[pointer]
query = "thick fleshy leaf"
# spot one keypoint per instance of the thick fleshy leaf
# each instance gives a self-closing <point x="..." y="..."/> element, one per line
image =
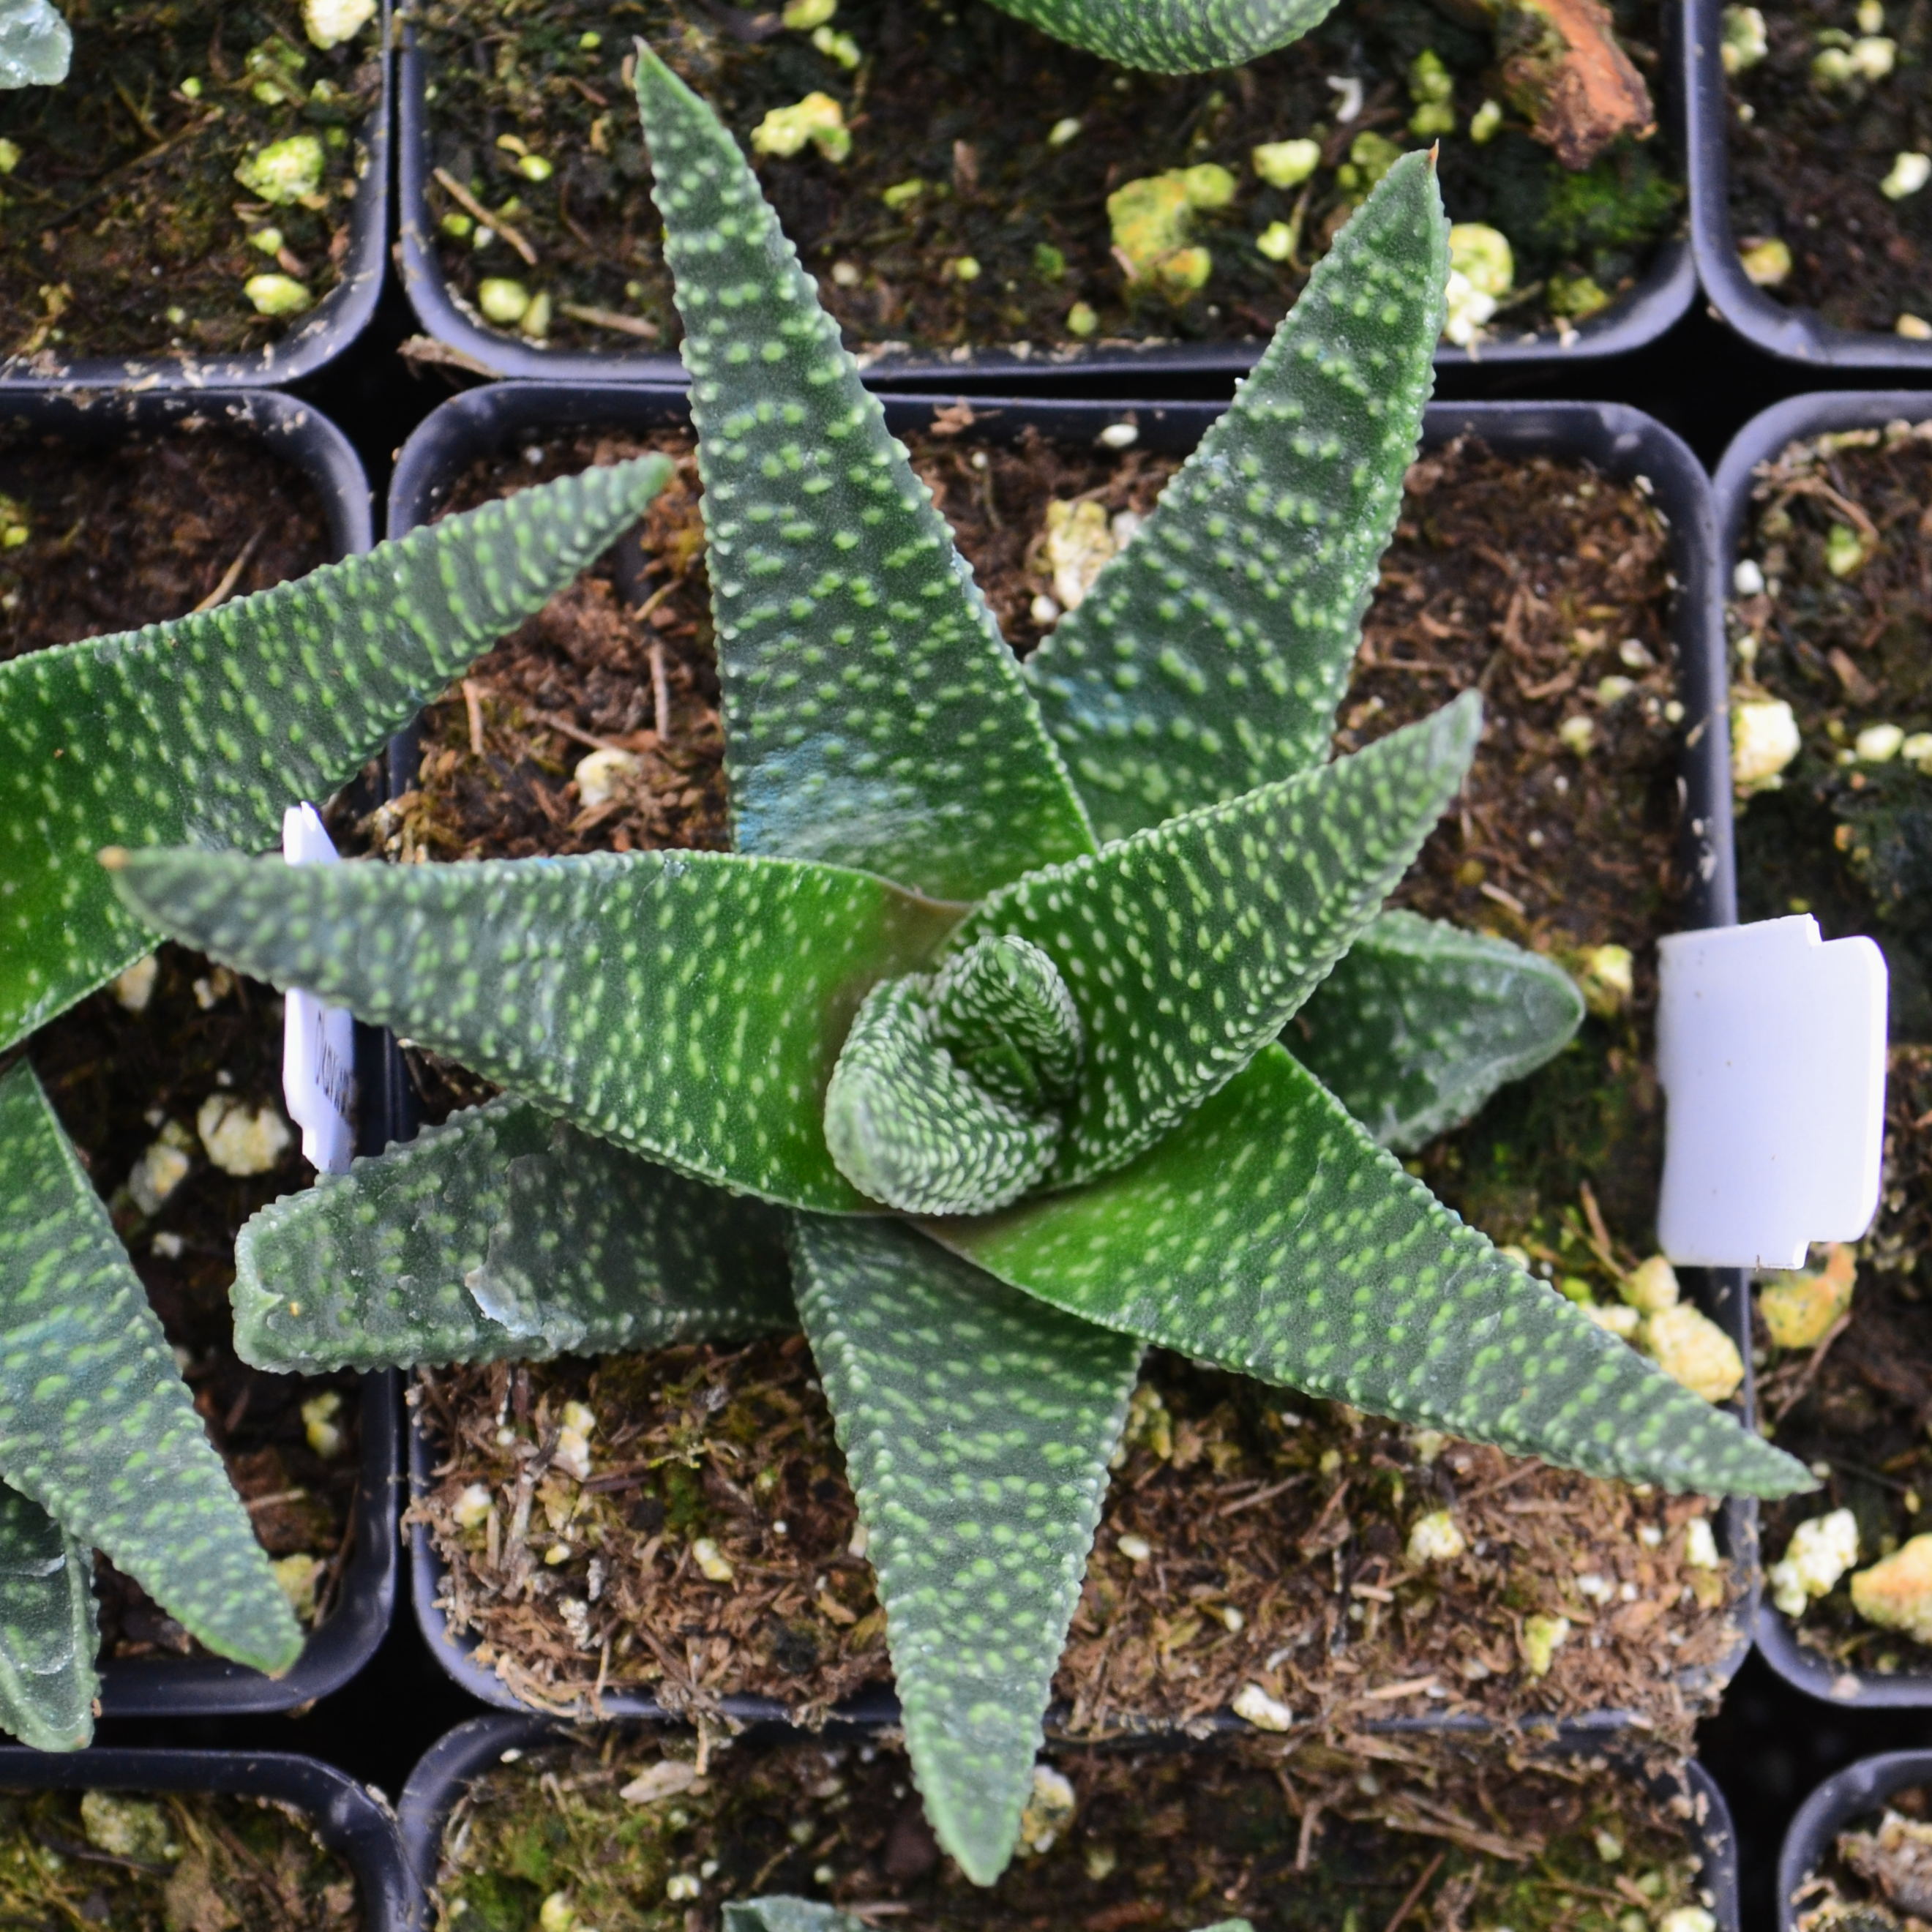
<point x="780" y="1913"/>
<point x="689" y="1005"/>
<point x="504" y="1235"/>
<point x="201" y="731"/>
<point x="909" y="1126"/>
<point x="96" y="1424"/>
<point x="1187" y="946"/>
<point x="1421" y="1022"/>
<point x="1210" y="654"/>
<point x="1270" y="1235"/>
<point x="1173" y="36"/>
<point x="977" y="1426"/>
<point x="1002" y="1010"/>
<point x="873" y="715"/>
<point x="48" y="1632"/>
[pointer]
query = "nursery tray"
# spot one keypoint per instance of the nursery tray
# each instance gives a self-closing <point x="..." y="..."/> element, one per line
<point x="472" y="1747"/>
<point x="1796" y="334"/>
<point x="1796" y="419"/>
<point x="359" y="1828"/>
<point x="1619" y="441"/>
<point x="1859" y="1788"/>
<point x="324" y="333"/>
<point x="347" y="1638"/>
<point x="1661" y="294"/>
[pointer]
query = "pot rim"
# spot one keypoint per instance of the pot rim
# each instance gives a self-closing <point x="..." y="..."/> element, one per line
<point x="1861" y="1786"/>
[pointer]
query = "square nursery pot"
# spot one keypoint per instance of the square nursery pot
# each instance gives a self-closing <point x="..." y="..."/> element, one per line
<point x="1660" y="295"/>
<point x="365" y="1599"/>
<point x="1618" y="441"/>
<point x="1799" y="418"/>
<point x="321" y="335"/>
<point x="1844" y="1798"/>
<point x="473" y="1749"/>
<point x="1796" y="334"/>
<point x="349" y="1819"/>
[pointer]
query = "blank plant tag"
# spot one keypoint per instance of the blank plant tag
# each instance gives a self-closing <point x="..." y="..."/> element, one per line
<point x="1771" y="1051"/>
<point x="318" y="1042"/>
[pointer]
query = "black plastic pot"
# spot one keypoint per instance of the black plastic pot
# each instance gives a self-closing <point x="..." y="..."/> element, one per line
<point x="437" y="1782"/>
<point x="320" y="337"/>
<point x="1621" y="442"/>
<point x="1760" y="440"/>
<point x="1797" y="334"/>
<point x="358" y="1828"/>
<point x="1661" y="296"/>
<point x="1858" y="1790"/>
<point x="166" y="1687"/>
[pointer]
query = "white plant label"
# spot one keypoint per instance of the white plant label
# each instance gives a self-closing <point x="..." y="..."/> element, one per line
<point x="318" y="1042"/>
<point x="1771" y="1052"/>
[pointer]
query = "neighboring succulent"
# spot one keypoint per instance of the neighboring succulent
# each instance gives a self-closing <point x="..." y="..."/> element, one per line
<point x="1173" y="36"/>
<point x="780" y="1913"/>
<point x="201" y="730"/>
<point x="1005" y="951"/>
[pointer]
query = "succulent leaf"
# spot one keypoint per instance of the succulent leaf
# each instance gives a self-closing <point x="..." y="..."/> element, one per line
<point x="780" y="1913"/>
<point x="96" y="1424"/>
<point x="977" y="1425"/>
<point x="502" y="1235"/>
<point x="48" y="1633"/>
<point x="1420" y="1022"/>
<point x="874" y="715"/>
<point x="1001" y="1009"/>
<point x="1210" y="654"/>
<point x="1270" y="1235"/>
<point x="689" y="1005"/>
<point x="202" y="730"/>
<point x="908" y="1125"/>
<point x="1173" y="36"/>
<point x="1189" y="945"/>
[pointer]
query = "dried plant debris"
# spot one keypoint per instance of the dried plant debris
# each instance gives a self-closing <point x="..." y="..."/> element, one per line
<point x="1828" y="638"/>
<point x="187" y="190"/>
<point x="1878" y="1876"/>
<point x="1283" y="1532"/>
<point x="97" y="540"/>
<point x="680" y="1521"/>
<point x="1830" y="120"/>
<point x="960" y="179"/>
<point x="168" y="1081"/>
<point x="635" y="1831"/>
<point x="175" y="1862"/>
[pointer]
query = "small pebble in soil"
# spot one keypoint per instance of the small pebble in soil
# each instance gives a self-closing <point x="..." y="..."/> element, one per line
<point x="241" y="1139"/>
<point x="1896" y="1592"/>
<point x="135" y="987"/>
<point x="1254" y="1705"/>
<point x="1821" y="1550"/>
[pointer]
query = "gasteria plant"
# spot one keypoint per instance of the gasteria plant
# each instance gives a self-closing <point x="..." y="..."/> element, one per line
<point x="1173" y="36"/>
<point x="201" y="730"/>
<point x="977" y="1024"/>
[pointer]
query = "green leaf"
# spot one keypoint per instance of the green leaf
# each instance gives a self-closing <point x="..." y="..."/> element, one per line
<point x="96" y="1424"/>
<point x="571" y="1244"/>
<point x="1421" y="1022"/>
<point x="783" y="1914"/>
<point x="1209" y="656"/>
<point x="976" y="1426"/>
<point x="909" y="1127"/>
<point x="689" y="1005"/>
<point x="1173" y="36"/>
<point x="1270" y="1235"/>
<point x="1003" y="1012"/>
<point x="1187" y="946"/>
<point x="873" y="715"/>
<point x="202" y="730"/>
<point x="48" y="1637"/>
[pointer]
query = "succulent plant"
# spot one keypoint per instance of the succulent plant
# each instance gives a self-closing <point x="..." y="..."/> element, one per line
<point x="1173" y="36"/>
<point x="200" y="730"/>
<point x="977" y="1026"/>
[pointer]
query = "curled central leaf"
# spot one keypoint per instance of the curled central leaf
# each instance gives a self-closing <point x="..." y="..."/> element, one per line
<point x="948" y="1087"/>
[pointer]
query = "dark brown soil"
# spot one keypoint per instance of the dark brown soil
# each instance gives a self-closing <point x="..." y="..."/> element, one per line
<point x="1308" y="1841"/>
<point x="963" y="101"/>
<point x="1277" y="1525"/>
<point x="123" y="229"/>
<point x="1850" y="842"/>
<point x="176" y="1862"/>
<point x="140" y="533"/>
<point x="1805" y="168"/>
<point x="145" y="530"/>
